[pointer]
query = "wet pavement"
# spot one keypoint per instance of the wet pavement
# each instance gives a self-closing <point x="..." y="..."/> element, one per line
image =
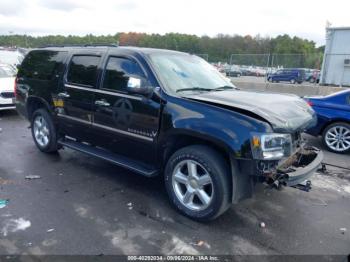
<point x="82" y="205"/>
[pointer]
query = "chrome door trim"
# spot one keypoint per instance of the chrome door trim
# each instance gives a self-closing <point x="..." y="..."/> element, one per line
<point x="75" y="119"/>
<point x="103" y="92"/>
<point x="106" y="127"/>
<point x="123" y="132"/>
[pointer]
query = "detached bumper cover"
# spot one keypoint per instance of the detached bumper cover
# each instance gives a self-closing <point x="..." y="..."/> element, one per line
<point x="300" y="166"/>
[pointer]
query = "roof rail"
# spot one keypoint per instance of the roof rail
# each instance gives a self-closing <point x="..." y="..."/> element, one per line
<point x="82" y="45"/>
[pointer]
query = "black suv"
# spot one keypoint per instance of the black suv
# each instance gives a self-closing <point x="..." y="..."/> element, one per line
<point x="161" y="112"/>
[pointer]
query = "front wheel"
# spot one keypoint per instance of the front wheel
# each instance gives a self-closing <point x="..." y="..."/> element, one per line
<point x="292" y="81"/>
<point x="44" y="131"/>
<point x="197" y="180"/>
<point x="336" y="137"/>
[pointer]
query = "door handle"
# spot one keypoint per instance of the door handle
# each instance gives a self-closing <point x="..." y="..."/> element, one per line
<point x="63" y="95"/>
<point x="102" y="103"/>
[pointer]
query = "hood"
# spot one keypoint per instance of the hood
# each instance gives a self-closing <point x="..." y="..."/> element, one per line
<point x="7" y="84"/>
<point x="284" y="112"/>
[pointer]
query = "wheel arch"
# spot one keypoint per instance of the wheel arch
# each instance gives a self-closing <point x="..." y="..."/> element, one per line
<point x="333" y="121"/>
<point x="177" y="141"/>
<point x="33" y="103"/>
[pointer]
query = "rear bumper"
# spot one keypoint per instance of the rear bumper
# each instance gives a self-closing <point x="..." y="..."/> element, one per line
<point x="7" y="107"/>
<point x="7" y="104"/>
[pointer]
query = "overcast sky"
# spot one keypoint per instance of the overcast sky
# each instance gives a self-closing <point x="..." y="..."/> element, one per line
<point x="304" y="18"/>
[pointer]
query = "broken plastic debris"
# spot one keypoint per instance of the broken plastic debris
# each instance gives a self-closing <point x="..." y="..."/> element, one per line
<point x="262" y="225"/>
<point x="33" y="177"/>
<point x="200" y="243"/>
<point x="3" y="203"/>
<point x="50" y="230"/>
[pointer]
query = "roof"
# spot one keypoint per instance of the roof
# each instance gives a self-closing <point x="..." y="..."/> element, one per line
<point x="144" y="50"/>
<point x="338" y="28"/>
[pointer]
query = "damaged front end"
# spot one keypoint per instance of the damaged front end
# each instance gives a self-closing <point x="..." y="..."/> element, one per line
<point x="285" y="160"/>
<point x="296" y="169"/>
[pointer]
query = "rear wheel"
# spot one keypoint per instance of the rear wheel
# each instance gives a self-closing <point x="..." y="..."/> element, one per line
<point x="197" y="180"/>
<point x="336" y="137"/>
<point x="44" y="131"/>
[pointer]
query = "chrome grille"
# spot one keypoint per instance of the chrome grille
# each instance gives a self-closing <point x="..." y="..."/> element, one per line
<point x="7" y="94"/>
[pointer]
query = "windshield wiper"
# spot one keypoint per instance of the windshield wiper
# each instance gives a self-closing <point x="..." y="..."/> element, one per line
<point x="194" y="89"/>
<point x="225" y="88"/>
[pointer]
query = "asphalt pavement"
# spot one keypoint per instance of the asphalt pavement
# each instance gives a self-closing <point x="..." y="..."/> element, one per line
<point x="82" y="205"/>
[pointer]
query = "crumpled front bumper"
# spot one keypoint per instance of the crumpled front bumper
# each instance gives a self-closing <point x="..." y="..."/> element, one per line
<point x="299" y="167"/>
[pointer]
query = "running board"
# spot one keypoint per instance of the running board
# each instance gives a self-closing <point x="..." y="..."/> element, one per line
<point x="110" y="157"/>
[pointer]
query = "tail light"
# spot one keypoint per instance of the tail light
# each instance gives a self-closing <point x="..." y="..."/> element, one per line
<point x="15" y="87"/>
<point x="310" y="103"/>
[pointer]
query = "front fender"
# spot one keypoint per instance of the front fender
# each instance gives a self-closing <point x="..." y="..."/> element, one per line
<point x="226" y="128"/>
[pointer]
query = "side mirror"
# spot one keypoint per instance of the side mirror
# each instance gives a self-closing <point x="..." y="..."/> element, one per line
<point x="138" y="86"/>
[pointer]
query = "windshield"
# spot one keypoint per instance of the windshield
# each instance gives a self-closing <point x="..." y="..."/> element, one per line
<point x="5" y="73"/>
<point x="183" y="72"/>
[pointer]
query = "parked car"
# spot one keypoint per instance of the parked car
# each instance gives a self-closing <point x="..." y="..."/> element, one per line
<point x="308" y="74"/>
<point x="315" y="77"/>
<point x="11" y="70"/>
<point x="287" y="75"/>
<point x="13" y="58"/>
<point x="234" y="71"/>
<point x="168" y="113"/>
<point x="7" y="81"/>
<point x="333" y="113"/>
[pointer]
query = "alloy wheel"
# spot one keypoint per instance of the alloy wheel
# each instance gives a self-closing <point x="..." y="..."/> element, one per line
<point x="41" y="131"/>
<point x="338" y="138"/>
<point x="192" y="185"/>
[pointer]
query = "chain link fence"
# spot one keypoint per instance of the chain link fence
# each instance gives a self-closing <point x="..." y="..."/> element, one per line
<point x="261" y="65"/>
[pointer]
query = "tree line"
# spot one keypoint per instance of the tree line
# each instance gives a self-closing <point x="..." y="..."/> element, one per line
<point x="217" y="48"/>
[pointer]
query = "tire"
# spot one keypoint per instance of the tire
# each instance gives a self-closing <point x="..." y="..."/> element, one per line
<point x="238" y="75"/>
<point x="208" y="163"/>
<point x="312" y="80"/>
<point x="330" y="140"/>
<point x="292" y="81"/>
<point x="47" y="130"/>
<point x="269" y="79"/>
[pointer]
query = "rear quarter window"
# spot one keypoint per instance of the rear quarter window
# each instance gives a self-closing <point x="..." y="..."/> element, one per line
<point x="43" y="64"/>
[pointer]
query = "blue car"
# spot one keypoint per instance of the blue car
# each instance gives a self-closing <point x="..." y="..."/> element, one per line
<point x="287" y="75"/>
<point x="333" y="125"/>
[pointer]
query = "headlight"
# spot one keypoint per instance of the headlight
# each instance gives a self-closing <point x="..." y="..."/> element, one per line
<point x="271" y="146"/>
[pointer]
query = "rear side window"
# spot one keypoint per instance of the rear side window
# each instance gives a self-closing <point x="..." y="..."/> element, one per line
<point x="118" y="71"/>
<point x="43" y="64"/>
<point x="83" y="70"/>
